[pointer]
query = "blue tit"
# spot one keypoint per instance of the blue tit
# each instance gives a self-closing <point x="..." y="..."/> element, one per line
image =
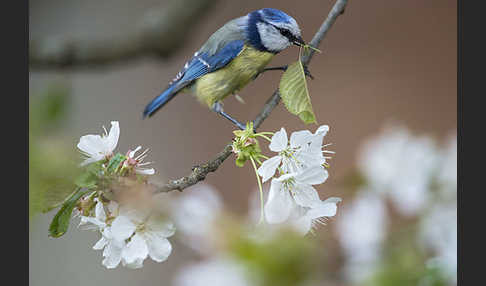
<point x="232" y="57"/>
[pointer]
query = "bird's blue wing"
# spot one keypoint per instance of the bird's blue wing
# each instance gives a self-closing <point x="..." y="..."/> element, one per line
<point x="203" y="63"/>
<point x="200" y="64"/>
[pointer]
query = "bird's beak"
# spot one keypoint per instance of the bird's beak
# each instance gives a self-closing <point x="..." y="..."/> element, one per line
<point x="298" y="41"/>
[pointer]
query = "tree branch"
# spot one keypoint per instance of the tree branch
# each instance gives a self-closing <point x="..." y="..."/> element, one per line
<point x="200" y="172"/>
<point x="160" y="33"/>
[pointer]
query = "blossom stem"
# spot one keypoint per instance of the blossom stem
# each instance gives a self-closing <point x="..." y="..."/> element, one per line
<point x="264" y="137"/>
<point x="259" y="188"/>
<point x="266" y="133"/>
<point x="264" y="157"/>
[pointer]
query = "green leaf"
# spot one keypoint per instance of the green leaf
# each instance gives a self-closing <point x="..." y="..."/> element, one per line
<point x="86" y="180"/>
<point x="294" y="93"/>
<point x="60" y="222"/>
<point x="89" y="178"/>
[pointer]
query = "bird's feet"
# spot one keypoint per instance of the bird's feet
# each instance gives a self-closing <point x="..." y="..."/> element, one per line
<point x="218" y="108"/>
<point x="307" y="72"/>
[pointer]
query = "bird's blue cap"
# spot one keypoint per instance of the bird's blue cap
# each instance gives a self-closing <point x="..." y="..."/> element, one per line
<point x="275" y="15"/>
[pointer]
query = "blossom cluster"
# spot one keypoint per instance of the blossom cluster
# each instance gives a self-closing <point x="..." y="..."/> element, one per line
<point x="115" y="199"/>
<point x="300" y="164"/>
<point x="113" y="185"/>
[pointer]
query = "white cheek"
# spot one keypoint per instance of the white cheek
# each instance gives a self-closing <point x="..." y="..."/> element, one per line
<point x="271" y="38"/>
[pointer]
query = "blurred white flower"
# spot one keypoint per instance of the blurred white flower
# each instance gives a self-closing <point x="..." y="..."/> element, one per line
<point x="304" y="150"/>
<point x="214" y="272"/>
<point x="137" y="162"/>
<point x="99" y="147"/>
<point x="361" y="229"/>
<point x="438" y="232"/>
<point x="194" y="214"/>
<point x="447" y="176"/>
<point x="400" y="165"/>
<point x="292" y="190"/>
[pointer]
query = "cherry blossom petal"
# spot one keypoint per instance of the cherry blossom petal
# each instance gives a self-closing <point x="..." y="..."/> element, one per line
<point x="279" y="203"/>
<point x="131" y="154"/>
<point x="100" y="212"/>
<point x="309" y="158"/>
<point x="316" y="143"/>
<point x="92" y="220"/>
<point x="300" y="138"/>
<point x="122" y="227"/>
<point x="143" y="171"/>
<point x="279" y="141"/>
<point x="100" y="244"/>
<point x="326" y="208"/>
<point x="112" y="254"/>
<point x="90" y="144"/>
<point x="302" y="225"/>
<point x="162" y="227"/>
<point x="137" y="263"/>
<point x="313" y="175"/>
<point x="159" y="248"/>
<point x="305" y="195"/>
<point x="135" y="250"/>
<point x="268" y="168"/>
<point x="112" y="138"/>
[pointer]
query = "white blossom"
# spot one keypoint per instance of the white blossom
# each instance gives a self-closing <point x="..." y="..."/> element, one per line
<point x="112" y="247"/>
<point x="136" y="162"/>
<point x="304" y="150"/>
<point x="146" y="235"/>
<point x="130" y="237"/>
<point x="401" y="166"/>
<point x="293" y="190"/>
<point x="305" y="220"/>
<point x="301" y="219"/>
<point x="99" y="147"/>
<point x="361" y="229"/>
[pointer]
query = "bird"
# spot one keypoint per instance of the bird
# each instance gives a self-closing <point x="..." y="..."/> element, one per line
<point x="232" y="57"/>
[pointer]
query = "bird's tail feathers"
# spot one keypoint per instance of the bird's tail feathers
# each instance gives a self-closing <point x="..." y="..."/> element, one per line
<point x="160" y="100"/>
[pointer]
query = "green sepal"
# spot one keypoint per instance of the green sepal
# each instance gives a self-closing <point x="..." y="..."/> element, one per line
<point x="115" y="163"/>
<point x="245" y="145"/>
<point x="294" y="93"/>
<point x="60" y="222"/>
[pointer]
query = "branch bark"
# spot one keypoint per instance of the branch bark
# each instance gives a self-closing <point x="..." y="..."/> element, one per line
<point x="160" y="33"/>
<point x="200" y="172"/>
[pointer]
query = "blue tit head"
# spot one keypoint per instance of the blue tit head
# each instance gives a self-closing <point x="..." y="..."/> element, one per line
<point x="272" y="30"/>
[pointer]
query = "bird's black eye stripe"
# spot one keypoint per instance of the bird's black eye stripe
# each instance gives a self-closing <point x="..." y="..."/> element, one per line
<point x="286" y="33"/>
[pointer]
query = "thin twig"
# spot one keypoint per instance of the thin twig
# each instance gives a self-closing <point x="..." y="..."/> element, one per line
<point x="160" y="33"/>
<point x="200" y="172"/>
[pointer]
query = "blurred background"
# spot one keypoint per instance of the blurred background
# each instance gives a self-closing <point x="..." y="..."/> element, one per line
<point x="385" y="84"/>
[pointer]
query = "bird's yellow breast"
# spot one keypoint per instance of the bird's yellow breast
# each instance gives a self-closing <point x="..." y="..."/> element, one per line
<point x="234" y="76"/>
